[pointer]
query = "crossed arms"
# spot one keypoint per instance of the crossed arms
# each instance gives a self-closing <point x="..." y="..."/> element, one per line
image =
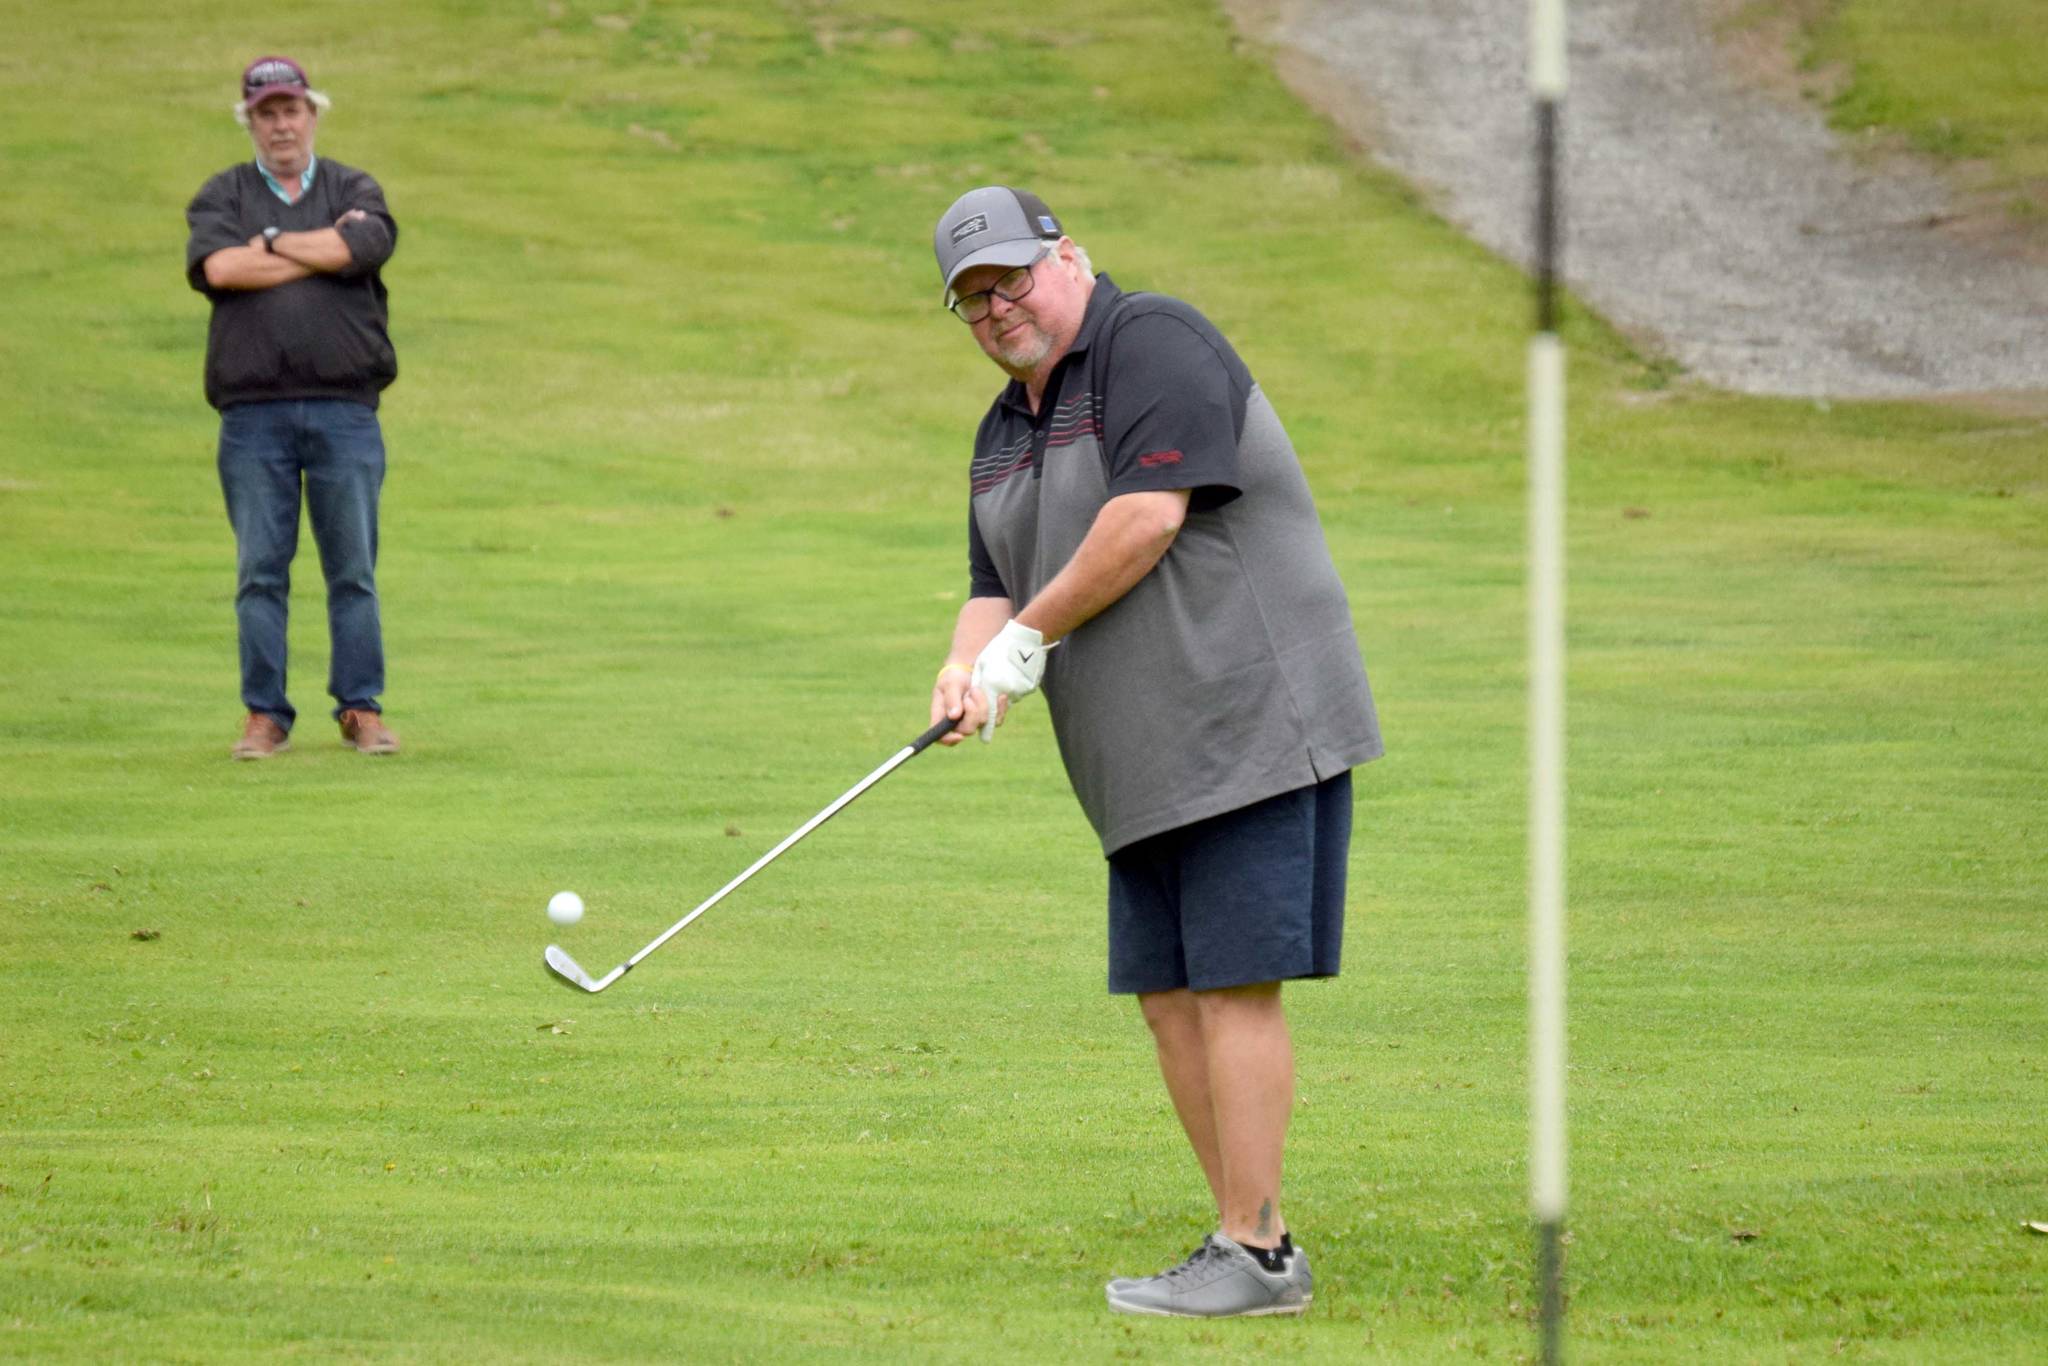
<point x="294" y="256"/>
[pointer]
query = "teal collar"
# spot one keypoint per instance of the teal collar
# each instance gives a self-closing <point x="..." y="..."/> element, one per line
<point x="305" y="179"/>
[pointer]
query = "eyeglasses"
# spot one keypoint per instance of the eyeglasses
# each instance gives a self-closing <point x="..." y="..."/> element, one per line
<point x="1010" y="287"/>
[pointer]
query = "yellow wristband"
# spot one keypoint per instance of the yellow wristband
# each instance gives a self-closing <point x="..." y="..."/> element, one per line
<point x="953" y="668"/>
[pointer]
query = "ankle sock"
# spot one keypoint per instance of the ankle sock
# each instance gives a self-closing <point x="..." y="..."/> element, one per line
<point x="1273" y="1258"/>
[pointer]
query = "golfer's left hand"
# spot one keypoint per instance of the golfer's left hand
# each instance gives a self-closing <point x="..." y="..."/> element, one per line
<point x="1008" y="667"/>
<point x="953" y="696"/>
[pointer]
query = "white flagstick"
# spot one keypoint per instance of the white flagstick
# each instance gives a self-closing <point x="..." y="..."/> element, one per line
<point x="1547" y="694"/>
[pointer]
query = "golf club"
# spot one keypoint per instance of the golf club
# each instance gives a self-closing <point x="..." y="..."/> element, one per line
<point x="565" y="969"/>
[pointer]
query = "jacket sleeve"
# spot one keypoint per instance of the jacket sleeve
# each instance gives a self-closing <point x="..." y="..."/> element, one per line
<point x="214" y="222"/>
<point x="371" y="239"/>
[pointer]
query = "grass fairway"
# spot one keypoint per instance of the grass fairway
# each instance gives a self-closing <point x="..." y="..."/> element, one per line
<point x="672" y="541"/>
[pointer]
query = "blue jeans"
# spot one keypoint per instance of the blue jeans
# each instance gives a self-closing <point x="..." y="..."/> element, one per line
<point x="337" y="449"/>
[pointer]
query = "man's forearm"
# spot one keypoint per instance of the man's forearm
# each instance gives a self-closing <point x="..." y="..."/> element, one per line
<point x="321" y="250"/>
<point x="251" y="268"/>
<point x="1131" y="534"/>
<point x="976" y="626"/>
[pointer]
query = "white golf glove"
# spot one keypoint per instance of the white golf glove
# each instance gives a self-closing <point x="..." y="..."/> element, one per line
<point x="1008" y="666"/>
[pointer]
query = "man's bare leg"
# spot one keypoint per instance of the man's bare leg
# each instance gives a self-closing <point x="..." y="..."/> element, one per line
<point x="1176" y="1024"/>
<point x="1251" y="1091"/>
<point x="1229" y="1066"/>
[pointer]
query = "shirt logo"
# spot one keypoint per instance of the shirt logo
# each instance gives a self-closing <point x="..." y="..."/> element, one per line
<point x="1155" y="459"/>
<point x="978" y="223"/>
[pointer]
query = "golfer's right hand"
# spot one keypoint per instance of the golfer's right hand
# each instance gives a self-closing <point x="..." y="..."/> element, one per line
<point x="953" y="697"/>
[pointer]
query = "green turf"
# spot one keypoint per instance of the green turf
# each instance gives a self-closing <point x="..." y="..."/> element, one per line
<point x="672" y="542"/>
<point x="1964" y="79"/>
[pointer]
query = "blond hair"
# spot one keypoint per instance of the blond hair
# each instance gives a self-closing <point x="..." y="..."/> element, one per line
<point x="319" y="102"/>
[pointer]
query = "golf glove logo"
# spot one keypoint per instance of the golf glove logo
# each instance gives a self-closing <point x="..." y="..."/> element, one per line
<point x="1009" y="666"/>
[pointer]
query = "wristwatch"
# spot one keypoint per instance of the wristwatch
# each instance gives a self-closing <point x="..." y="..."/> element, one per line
<point x="270" y="239"/>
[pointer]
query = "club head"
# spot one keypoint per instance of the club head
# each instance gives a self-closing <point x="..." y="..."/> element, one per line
<point x="565" y="971"/>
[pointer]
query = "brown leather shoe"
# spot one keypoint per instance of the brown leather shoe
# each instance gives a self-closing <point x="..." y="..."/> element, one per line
<point x="365" y="730"/>
<point x="261" y="738"/>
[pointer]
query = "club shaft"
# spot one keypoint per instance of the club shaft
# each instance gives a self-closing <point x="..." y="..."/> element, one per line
<point x="895" y="761"/>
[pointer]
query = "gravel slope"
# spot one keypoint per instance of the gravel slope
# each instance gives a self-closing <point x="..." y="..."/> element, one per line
<point x="1714" y="221"/>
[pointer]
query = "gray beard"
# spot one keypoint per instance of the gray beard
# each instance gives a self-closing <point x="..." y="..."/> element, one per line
<point x="1030" y="354"/>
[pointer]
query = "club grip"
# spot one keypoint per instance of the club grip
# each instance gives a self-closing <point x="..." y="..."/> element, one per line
<point x="939" y="727"/>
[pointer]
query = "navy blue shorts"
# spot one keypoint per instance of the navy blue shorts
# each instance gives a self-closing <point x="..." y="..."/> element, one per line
<point x="1253" y="895"/>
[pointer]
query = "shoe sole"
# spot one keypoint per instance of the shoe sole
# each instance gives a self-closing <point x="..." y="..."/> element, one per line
<point x="259" y="753"/>
<point x="347" y="743"/>
<point x="1156" y="1312"/>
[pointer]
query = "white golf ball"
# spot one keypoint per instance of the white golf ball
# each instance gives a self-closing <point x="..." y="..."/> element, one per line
<point x="565" y="908"/>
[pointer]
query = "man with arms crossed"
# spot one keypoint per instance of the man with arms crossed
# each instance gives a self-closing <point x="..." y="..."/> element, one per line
<point x="1136" y="503"/>
<point x="287" y="248"/>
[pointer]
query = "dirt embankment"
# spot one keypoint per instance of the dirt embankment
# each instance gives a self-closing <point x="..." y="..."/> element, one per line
<point x="1710" y="211"/>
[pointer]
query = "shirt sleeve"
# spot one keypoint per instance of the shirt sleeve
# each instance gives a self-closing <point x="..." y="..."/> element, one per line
<point x="214" y="221"/>
<point x="370" y="239"/>
<point x="1169" y="414"/>
<point x="982" y="579"/>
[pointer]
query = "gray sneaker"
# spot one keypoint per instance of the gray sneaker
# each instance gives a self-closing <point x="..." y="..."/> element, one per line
<point x="1126" y="1282"/>
<point x="1221" y="1280"/>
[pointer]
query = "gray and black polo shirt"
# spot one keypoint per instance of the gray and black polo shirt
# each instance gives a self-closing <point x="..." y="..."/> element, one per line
<point x="1231" y="672"/>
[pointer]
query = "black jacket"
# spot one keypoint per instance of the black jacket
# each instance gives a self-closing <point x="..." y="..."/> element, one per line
<point x="321" y="337"/>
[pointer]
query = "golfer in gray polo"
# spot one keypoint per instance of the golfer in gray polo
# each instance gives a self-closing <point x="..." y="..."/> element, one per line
<point x="1143" y="547"/>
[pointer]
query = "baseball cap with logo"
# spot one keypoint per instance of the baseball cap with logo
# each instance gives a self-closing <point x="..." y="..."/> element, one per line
<point x="269" y="76"/>
<point x="992" y="226"/>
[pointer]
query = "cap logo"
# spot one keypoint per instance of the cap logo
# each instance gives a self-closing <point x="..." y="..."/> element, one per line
<point x="969" y="227"/>
<point x="1047" y="226"/>
<point x="272" y="73"/>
